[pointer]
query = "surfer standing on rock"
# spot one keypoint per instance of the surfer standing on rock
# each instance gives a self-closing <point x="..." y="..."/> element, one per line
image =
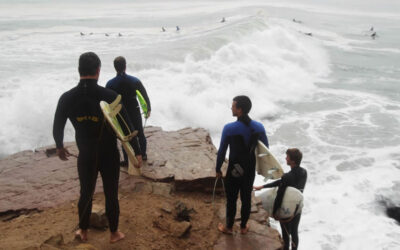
<point x="97" y="144"/>
<point x="297" y="178"/>
<point x="241" y="136"/>
<point x="126" y="86"/>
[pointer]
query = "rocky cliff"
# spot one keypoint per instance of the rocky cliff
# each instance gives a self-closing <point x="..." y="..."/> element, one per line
<point x="39" y="192"/>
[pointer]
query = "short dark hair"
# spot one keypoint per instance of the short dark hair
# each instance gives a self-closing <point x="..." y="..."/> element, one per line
<point x="120" y="64"/>
<point x="295" y="155"/>
<point x="89" y="63"/>
<point x="243" y="102"/>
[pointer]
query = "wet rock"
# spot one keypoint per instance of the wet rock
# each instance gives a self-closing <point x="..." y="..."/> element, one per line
<point x="98" y="218"/>
<point x="394" y="213"/>
<point x="259" y="237"/>
<point x="51" y="152"/>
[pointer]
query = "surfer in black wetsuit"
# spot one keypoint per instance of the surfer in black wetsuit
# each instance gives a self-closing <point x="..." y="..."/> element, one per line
<point x="96" y="142"/>
<point x="241" y="136"/>
<point x="126" y="86"/>
<point x="297" y="178"/>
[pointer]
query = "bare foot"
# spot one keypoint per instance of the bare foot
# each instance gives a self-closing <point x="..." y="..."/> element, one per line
<point x="81" y="234"/>
<point x="116" y="236"/>
<point x="245" y="230"/>
<point x="224" y="229"/>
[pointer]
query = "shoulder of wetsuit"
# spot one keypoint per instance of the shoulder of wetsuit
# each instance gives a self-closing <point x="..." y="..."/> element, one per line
<point x="110" y="83"/>
<point x="258" y="127"/>
<point x="69" y="95"/>
<point x="106" y="94"/>
<point x="132" y="79"/>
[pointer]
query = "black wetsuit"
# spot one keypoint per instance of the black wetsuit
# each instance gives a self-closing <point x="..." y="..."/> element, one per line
<point x="97" y="146"/>
<point x="126" y="86"/>
<point x="241" y="137"/>
<point x="297" y="178"/>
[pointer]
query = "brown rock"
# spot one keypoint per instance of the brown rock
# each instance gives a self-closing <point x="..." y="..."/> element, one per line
<point x="181" y="229"/>
<point x="85" y="247"/>
<point x="48" y="247"/>
<point x="144" y="187"/>
<point x="98" y="218"/>
<point x="186" y="156"/>
<point x="163" y="189"/>
<point x="182" y="212"/>
<point x="261" y="216"/>
<point x="167" y="208"/>
<point x="55" y="240"/>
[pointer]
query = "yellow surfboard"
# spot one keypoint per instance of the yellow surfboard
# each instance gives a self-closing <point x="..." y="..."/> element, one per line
<point x="111" y="111"/>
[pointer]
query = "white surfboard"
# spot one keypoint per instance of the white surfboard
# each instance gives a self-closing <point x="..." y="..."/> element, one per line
<point x="266" y="163"/>
<point x="292" y="202"/>
<point x="111" y="111"/>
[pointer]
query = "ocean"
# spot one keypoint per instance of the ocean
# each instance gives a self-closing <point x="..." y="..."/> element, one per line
<point x="317" y="78"/>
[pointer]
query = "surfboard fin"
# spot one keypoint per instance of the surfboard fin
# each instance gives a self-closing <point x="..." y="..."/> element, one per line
<point x="115" y="102"/>
<point x="115" y="110"/>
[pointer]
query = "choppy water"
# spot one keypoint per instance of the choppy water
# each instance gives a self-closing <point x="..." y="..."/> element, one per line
<point x="334" y="95"/>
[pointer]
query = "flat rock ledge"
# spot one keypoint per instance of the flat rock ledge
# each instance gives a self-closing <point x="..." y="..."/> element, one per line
<point x="37" y="179"/>
<point x="182" y="160"/>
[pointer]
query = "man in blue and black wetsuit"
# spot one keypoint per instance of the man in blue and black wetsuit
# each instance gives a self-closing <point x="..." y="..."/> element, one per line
<point x="297" y="178"/>
<point x="241" y="137"/>
<point x="126" y="86"/>
<point x="96" y="142"/>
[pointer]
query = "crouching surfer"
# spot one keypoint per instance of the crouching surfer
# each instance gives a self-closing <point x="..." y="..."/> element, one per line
<point x="96" y="143"/>
<point x="241" y="136"/>
<point x="297" y="178"/>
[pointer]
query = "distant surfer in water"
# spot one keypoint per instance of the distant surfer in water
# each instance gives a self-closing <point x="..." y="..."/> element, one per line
<point x="97" y="145"/>
<point x="297" y="178"/>
<point x="126" y="86"/>
<point x="241" y="136"/>
<point x="296" y="21"/>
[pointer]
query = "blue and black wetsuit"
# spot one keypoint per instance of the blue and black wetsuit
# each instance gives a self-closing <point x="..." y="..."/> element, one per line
<point x="126" y="86"/>
<point x="97" y="146"/>
<point x="241" y="137"/>
<point x="297" y="178"/>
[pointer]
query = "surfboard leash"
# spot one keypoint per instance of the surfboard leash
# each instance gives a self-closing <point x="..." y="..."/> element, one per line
<point x="215" y="187"/>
